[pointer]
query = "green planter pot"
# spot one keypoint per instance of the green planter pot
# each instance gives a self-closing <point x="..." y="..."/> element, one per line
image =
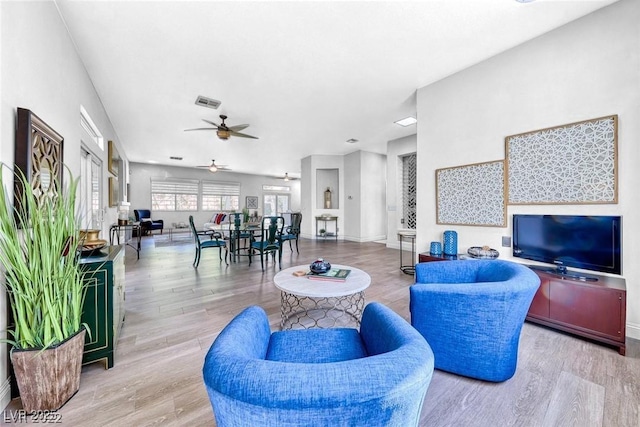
<point x="47" y="379"/>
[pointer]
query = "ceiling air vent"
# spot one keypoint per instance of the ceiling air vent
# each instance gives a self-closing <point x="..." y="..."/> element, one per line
<point x="175" y="158"/>
<point x="203" y="101"/>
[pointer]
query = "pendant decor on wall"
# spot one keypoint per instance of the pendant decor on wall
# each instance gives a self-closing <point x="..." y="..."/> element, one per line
<point x="569" y="164"/>
<point x="38" y="155"/>
<point x="471" y="195"/>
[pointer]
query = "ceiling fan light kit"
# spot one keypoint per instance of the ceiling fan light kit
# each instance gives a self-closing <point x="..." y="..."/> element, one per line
<point x="213" y="168"/>
<point x="223" y="131"/>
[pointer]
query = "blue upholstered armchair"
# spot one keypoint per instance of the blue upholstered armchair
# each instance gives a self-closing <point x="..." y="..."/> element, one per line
<point x="318" y="377"/>
<point x="143" y="216"/>
<point x="471" y="313"/>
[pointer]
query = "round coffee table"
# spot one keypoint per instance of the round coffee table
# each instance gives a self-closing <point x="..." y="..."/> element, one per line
<point x="307" y="303"/>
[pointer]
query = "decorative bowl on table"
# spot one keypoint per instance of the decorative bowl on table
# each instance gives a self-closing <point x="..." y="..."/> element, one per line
<point x="89" y="241"/>
<point x="319" y="266"/>
<point x="90" y="248"/>
<point x="484" y="252"/>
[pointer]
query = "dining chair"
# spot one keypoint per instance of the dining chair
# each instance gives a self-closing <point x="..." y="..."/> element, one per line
<point x="292" y="232"/>
<point x="268" y="241"/>
<point x="215" y="241"/>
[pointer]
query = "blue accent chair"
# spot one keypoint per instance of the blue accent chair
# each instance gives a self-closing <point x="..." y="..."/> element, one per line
<point x="147" y="225"/>
<point x="215" y="241"/>
<point x="471" y="312"/>
<point x="377" y="376"/>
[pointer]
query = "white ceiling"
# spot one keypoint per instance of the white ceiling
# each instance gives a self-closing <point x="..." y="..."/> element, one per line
<point x="305" y="75"/>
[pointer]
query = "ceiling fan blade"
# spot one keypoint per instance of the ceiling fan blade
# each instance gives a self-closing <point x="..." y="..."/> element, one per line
<point x="238" y="127"/>
<point x="242" y="135"/>
<point x="211" y="123"/>
<point x="200" y="129"/>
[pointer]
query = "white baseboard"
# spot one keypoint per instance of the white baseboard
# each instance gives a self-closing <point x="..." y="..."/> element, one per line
<point x="633" y="331"/>
<point x="5" y="394"/>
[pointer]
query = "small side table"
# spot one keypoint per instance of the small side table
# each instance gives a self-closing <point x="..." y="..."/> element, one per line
<point x="114" y="234"/>
<point x="410" y="235"/>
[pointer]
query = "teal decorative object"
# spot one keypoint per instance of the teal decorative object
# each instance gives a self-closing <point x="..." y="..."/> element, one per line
<point x="450" y="243"/>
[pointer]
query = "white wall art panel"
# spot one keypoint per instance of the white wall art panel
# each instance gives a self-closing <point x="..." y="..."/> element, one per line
<point x="568" y="164"/>
<point x="471" y="195"/>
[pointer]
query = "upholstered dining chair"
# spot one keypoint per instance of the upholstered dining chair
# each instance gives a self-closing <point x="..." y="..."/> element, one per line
<point x="292" y="231"/>
<point x="268" y="241"/>
<point x="214" y="240"/>
<point x="471" y="312"/>
<point x="377" y="376"/>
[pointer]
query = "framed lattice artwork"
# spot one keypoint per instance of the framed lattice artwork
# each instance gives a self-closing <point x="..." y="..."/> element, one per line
<point x="471" y="195"/>
<point x="252" y="202"/>
<point x="38" y="155"/>
<point x="569" y="164"/>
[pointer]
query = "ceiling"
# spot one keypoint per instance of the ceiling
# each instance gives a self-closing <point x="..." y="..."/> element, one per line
<point x="307" y="76"/>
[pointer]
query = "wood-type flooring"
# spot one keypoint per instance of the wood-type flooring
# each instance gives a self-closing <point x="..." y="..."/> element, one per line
<point x="174" y="312"/>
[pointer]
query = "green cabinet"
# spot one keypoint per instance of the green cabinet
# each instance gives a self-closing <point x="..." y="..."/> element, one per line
<point x="104" y="304"/>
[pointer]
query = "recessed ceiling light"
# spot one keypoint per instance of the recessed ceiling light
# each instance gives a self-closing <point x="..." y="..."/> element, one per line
<point x="525" y="1"/>
<point x="407" y="121"/>
<point x="352" y="140"/>
<point x="152" y="161"/>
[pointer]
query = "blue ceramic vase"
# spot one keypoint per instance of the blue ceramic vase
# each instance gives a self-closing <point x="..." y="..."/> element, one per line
<point x="450" y="242"/>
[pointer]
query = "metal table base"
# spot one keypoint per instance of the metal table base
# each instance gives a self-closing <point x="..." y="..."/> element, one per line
<point x="320" y="312"/>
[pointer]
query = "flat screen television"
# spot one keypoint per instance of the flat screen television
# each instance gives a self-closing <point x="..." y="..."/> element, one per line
<point x="585" y="242"/>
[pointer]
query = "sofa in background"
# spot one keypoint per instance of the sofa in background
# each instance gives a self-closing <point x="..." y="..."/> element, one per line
<point x="471" y="313"/>
<point x="377" y="376"/>
<point x="147" y="225"/>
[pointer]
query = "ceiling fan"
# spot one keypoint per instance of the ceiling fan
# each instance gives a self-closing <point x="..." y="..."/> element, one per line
<point x="213" y="168"/>
<point x="289" y="178"/>
<point x="224" y="132"/>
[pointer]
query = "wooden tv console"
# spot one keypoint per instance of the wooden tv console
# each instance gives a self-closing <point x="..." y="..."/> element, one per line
<point x="592" y="309"/>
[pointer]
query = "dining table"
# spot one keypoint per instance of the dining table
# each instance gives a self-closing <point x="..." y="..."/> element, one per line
<point x="237" y="233"/>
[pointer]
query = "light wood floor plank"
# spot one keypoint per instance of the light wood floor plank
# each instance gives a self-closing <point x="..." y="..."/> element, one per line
<point x="575" y="402"/>
<point x="174" y="312"/>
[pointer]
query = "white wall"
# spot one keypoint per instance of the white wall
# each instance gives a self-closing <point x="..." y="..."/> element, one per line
<point x="353" y="196"/>
<point x="396" y="149"/>
<point x="361" y="195"/>
<point x="250" y="185"/>
<point x="372" y="195"/>
<point x="41" y="71"/>
<point x="309" y="166"/>
<point x="586" y="69"/>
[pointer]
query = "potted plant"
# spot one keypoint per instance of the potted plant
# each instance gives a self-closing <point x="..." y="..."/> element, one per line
<point x="40" y="264"/>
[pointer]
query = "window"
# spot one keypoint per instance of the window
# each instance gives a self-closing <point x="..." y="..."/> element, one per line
<point x="275" y="204"/>
<point x="90" y="128"/>
<point x="90" y="190"/>
<point x="174" y="194"/>
<point x="220" y="196"/>
<point x="276" y="188"/>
